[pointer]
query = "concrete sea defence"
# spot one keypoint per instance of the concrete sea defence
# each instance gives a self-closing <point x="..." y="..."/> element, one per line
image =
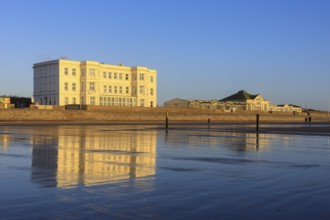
<point x="110" y="114"/>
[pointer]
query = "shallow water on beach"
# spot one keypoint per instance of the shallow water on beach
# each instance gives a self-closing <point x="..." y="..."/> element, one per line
<point x="146" y="172"/>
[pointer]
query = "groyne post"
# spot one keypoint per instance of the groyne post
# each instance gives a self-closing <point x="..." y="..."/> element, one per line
<point x="257" y="123"/>
<point x="166" y="121"/>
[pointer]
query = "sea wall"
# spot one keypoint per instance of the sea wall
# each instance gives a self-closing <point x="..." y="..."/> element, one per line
<point x="102" y="113"/>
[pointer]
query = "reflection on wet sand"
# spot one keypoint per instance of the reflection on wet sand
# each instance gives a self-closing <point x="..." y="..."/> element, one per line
<point x="238" y="141"/>
<point x="92" y="157"/>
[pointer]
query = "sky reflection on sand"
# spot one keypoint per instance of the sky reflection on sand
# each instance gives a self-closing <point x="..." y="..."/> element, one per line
<point x="144" y="172"/>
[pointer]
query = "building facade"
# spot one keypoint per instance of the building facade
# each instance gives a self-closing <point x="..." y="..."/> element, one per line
<point x="240" y="101"/>
<point x="64" y="82"/>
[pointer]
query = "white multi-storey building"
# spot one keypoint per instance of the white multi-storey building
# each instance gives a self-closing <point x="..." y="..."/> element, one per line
<point x="63" y="82"/>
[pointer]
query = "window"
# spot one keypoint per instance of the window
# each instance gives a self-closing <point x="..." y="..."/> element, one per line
<point x="115" y="75"/>
<point x="45" y="88"/>
<point x="101" y="100"/>
<point x="92" y="72"/>
<point x="126" y="76"/>
<point x="151" y="79"/>
<point x="104" y="88"/>
<point x="141" y="76"/>
<point x="141" y="89"/>
<point x="54" y="72"/>
<point x="66" y="86"/>
<point x="104" y="75"/>
<point x="91" y="86"/>
<point x="54" y="100"/>
<point x="49" y="74"/>
<point x="66" y="71"/>
<point x="73" y="72"/>
<point x="115" y="88"/>
<point x="110" y="89"/>
<point x="54" y="86"/>
<point x="151" y="104"/>
<point x="66" y="100"/>
<point x="142" y="102"/>
<point x="40" y="87"/>
<point x="151" y="91"/>
<point x="120" y="76"/>
<point x="92" y="100"/>
<point x="120" y="89"/>
<point x="73" y="100"/>
<point x="109" y="75"/>
<point x="73" y="86"/>
<point x="49" y="86"/>
<point x="127" y="90"/>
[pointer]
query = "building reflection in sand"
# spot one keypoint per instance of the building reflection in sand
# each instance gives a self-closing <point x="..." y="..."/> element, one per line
<point x="90" y="156"/>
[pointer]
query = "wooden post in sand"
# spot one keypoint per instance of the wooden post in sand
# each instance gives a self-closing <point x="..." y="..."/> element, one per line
<point x="166" y="121"/>
<point x="257" y="123"/>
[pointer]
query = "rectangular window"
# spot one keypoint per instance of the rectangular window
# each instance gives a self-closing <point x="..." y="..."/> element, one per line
<point x="141" y="76"/>
<point x="104" y="88"/>
<point x="120" y="76"/>
<point x="54" y="72"/>
<point x="115" y="75"/>
<point x="50" y="74"/>
<point x="120" y="89"/>
<point x="127" y="90"/>
<point x="73" y="86"/>
<point x="66" y="86"/>
<point x="54" y="86"/>
<point x="54" y="100"/>
<point x="142" y="102"/>
<point x="110" y="89"/>
<point x="141" y="89"/>
<point x="151" y="79"/>
<point x="73" y="100"/>
<point x="126" y="76"/>
<point x="109" y="75"/>
<point x="104" y="75"/>
<point x="40" y="87"/>
<point x="91" y="86"/>
<point x="92" y="100"/>
<point x="66" y="100"/>
<point x="73" y="72"/>
<point x="92" y="72"/>
<point x="66" y="71"/>
<point x="115" y="88"/>
<point x="49" y="86"/>
<point x="151" y="91"/>
<point x="101" y="100"/>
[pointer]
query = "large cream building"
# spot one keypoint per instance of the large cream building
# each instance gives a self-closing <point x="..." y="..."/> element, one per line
<point x="63" y="82"/>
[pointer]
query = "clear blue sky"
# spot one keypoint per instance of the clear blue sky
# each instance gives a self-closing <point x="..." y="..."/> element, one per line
<point x="205" y="49"/>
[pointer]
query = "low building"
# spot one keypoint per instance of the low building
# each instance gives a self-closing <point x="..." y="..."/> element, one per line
<point x="240" y="101"/>
<point x="243" y="100"/>
<point x="285" y="108"/>
<point x="5" y="102"/>
<point x="177" y="103"/>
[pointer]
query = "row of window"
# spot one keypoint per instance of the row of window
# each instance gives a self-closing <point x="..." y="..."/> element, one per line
<point x="47" y="72"/>
<point x="103" y="101"/>
<point x="73" y="71"/>
<point x="47" y="87"/>
<point x="114" y="101"/>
